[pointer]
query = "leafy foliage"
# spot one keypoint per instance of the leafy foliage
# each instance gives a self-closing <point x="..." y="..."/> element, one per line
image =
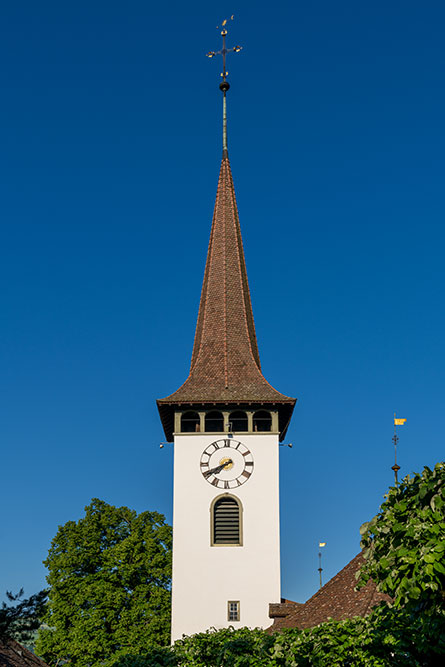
<point x="21" y="619"/>
<point x="237" y="648"/>
<point x="388" y="637"/>
<point x="109" y="595"/>
<point x="158" y="657"/>
<point x="405" y="543"/>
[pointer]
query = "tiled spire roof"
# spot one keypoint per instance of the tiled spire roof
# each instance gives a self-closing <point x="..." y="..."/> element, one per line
<point x="225" y="318"/>
<point x="13" y="654"/>
<point x="225" y="363"/>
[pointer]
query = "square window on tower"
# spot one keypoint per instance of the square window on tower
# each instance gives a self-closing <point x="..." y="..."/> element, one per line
<point x="233" y="610"/>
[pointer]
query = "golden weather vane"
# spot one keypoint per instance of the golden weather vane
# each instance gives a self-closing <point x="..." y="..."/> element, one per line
<point x="395" y="438"/>
<point x="224" y="51"/>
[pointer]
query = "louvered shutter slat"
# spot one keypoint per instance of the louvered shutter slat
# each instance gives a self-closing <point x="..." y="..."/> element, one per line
<point x="226" y="521"/>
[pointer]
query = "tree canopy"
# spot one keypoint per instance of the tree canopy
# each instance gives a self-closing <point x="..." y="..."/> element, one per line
<point x="405" y="543"/>
<point x="109" y="586"/>
<point x="20" y="619"/>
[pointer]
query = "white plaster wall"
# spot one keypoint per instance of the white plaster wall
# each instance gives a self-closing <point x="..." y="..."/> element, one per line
<point x="205" y="578"/>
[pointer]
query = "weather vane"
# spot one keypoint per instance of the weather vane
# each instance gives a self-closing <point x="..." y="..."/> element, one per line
<point x="223" y="52"/>
<point x="320" y="569"/>
<point x="224" y="85"/>
<point x="395" y="438"/>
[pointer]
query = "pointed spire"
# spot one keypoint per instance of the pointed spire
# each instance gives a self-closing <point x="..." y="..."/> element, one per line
<point x="225" y="367"/>
<point x="225" y="332"/>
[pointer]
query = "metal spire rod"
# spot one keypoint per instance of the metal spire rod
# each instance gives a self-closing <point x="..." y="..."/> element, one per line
<point x="224" y="85"/>
<point x="395" y="440"/>
<point x="397" y="422"/>
<point x="320" y="569"/>
<point x="224" y="138"/>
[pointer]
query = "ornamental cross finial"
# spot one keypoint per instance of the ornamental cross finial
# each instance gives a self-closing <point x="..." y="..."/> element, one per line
<point x="224" y="51"/>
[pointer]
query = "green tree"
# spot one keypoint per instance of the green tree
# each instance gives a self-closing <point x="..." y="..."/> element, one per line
<point x="109" y="587"/>
<point x="405" y="543"/>
<point x="22" y="618"/>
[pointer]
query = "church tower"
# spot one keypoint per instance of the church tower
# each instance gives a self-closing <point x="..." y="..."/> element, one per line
<point x="226" y="422"/>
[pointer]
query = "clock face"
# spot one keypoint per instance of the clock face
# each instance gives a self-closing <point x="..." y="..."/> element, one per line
<point x="226" y="463"/>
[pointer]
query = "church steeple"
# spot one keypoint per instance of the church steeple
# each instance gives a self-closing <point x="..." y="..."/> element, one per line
<point x="226" y="421"/>
<point x="225" y="366"/>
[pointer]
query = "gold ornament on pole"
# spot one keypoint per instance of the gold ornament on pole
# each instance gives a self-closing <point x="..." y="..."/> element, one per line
<point x="397" y="422"/>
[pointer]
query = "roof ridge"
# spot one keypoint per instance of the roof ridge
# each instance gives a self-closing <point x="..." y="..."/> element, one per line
<point x="225" y="215"/>
<point x="337" y="599"/>
<point x="224" y="162"/>
<point x="246" y="286"/>
<point x="348" y="565"/>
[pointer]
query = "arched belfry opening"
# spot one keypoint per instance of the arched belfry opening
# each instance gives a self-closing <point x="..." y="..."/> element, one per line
<point x="238" y="421"/>
<point x="214" y="422"/>
<point x="262" y="421"/>
<point x="190" y="422"/>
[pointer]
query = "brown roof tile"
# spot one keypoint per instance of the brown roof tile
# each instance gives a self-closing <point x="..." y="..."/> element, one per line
<point x="225" y="366"/>
<point x="13" y="654"/>
<point x="337" y="599"/>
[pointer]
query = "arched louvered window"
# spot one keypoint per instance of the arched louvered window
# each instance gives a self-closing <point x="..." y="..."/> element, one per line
<point x="238" y="421"/>
<point x="189" y="422"/>
<point x="214" y="422"/>
<point x="262" y="421"/>
<point x="226" y="518"/>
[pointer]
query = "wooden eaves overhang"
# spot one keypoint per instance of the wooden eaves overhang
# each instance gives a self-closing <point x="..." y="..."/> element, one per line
<point x="225" y="369"/>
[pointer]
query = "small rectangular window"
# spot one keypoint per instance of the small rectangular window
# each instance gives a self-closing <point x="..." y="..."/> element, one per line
<point x="233" y="610"/>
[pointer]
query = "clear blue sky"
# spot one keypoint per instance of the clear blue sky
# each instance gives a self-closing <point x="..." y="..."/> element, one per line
<point x="110" y="149"/>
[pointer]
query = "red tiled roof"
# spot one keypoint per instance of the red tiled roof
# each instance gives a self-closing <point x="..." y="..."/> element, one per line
<point x="337" y="599"/>
<point x="225" y="366"/>
<point x="13" y="654"/>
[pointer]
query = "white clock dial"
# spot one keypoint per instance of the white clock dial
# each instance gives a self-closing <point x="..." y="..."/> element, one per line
<point x="226" y="463"/>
